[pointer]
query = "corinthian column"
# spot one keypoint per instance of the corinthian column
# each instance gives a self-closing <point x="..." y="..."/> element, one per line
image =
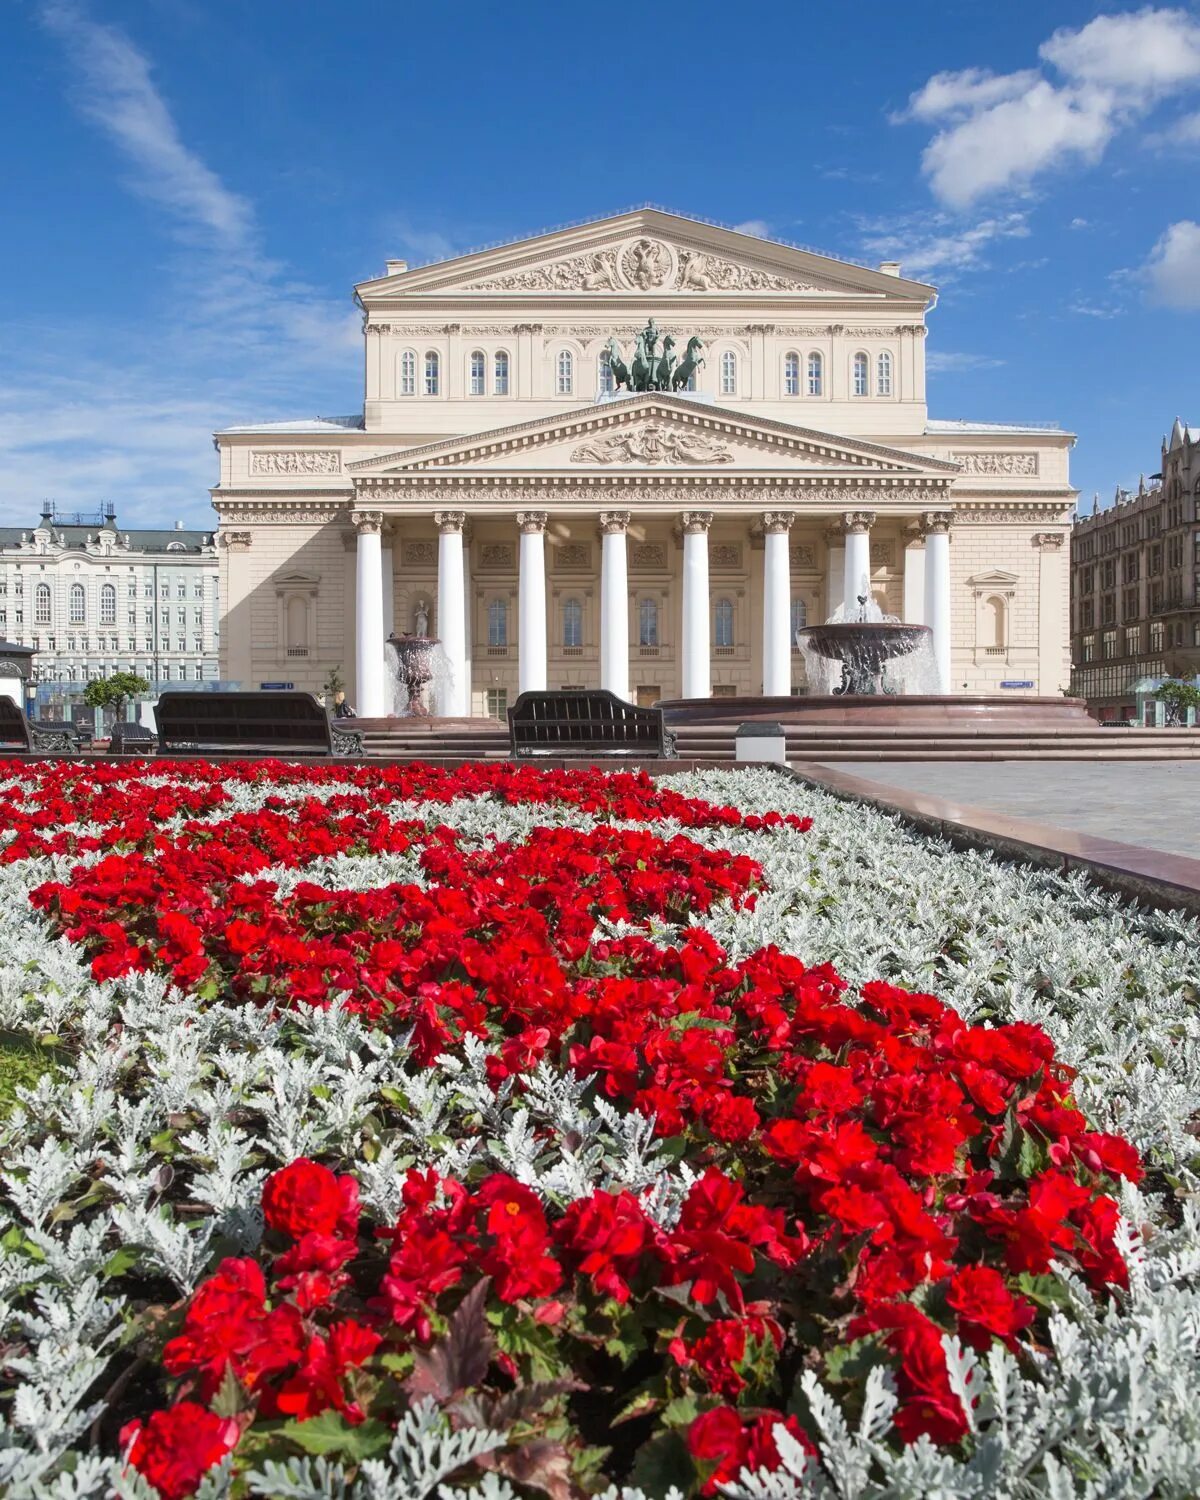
<point x="369" y="613"/>
<point x="614" y="603"/>
<point x="936" y="526"/>
<point x="452" y="621"/>
<point x="697" y="669"/>
<point x="531" y="602"/>
<point x="777" y="605"/>
<point x="858" y="525"/>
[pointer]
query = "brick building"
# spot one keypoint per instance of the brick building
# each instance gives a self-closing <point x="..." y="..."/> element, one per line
<point x="1135" y="584"/>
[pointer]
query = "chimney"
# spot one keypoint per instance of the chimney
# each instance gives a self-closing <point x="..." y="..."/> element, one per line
<point x="889" y="268"/>
<point x="178" y="525"/>
<point x="396" y="267"/>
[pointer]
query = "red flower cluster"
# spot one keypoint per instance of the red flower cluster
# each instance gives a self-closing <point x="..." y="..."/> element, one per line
<point x="864" y="1167"/>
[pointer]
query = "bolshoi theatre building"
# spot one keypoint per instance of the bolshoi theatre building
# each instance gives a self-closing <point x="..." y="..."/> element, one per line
<point x="640" y="453"/>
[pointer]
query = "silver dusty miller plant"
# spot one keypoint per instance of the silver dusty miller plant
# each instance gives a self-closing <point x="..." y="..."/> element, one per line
<point x="1108" y="1411"/>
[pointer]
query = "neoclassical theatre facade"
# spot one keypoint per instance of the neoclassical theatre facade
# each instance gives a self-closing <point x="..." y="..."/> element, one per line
<point x="639" y="453"/>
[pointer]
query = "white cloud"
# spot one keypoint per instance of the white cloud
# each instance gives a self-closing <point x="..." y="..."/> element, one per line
<point x="1078" y="223"/>
<point x="950" y="94"/>
<point x="1185" y="131"/>
<point x="116" y="91"/>
<point x="939" y="245"/>
<point x="92" y="412"/>
<point x="1145" y="50"/>
<point x="1173" y="270"/>
<point x="759" y="228"/>
<point x="947" y="361"/>
<point x="998" y="132"/>
<point x="1008" y="144"/>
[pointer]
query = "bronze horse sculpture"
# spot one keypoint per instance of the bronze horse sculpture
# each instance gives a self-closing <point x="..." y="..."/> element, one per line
<point x="688" y="365"/>
<point x="620" y="370"/>
<point x="666" y="365"/>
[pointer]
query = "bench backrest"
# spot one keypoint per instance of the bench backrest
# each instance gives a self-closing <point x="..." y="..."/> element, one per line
<point x="14" y="727"/>
<point x="592" y="720"/>
<point x="276" y="721"/>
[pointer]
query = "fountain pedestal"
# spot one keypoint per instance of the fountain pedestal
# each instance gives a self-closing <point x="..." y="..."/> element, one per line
<point x="864" y="649"/>
<point x="414" y="670"/>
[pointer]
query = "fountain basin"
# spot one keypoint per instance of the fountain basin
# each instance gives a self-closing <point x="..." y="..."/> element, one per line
<point x="881" y="638"/>
<point x="851" y="657"/>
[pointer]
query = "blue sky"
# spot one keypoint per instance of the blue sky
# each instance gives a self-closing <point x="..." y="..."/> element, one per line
<point x="193" y="186"/>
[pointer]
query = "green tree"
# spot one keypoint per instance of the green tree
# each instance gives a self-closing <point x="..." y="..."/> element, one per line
<point x="335" y="683"/>
<point x="112" y="692"/>
<point x="1178" y="697"/>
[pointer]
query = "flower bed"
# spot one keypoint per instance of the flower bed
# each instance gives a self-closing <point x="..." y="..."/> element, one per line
<point x="522" y="1132"/>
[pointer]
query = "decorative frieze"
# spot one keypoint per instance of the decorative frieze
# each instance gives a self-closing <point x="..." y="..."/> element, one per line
<point x="280" y="512"/>
<point x="418" y="554"/>
<point x="725" y="555"/>
<point x="573" y="556"/>
<point x="1009" y="465"/>
<point x="653" y="444"/>
<point x="642" y="265"/>
<point x="1049" y="541"/>
<point x="648" y="556"/>
<point x="803" y="556"/>
<point x="235" y="541"/>
<point x="497" y="555"/>
<point x="295" y="461"/>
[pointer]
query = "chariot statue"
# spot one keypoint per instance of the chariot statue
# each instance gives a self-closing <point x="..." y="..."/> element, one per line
<point x="650" y="369"/>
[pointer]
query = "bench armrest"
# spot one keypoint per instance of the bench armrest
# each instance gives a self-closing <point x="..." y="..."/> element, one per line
<point x="346" y="741"/>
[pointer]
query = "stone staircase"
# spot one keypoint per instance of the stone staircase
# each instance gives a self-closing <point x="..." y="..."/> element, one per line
<point x="823" y="742"/>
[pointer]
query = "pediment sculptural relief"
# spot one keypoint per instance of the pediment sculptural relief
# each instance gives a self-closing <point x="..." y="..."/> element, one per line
<point x="653" y="444"/>
<point x="643" y="265"/>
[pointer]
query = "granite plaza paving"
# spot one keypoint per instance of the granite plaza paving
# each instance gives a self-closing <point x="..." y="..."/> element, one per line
<point x="1156" y="806"/>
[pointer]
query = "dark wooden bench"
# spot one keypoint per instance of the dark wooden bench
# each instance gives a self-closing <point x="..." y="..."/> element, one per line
<point x="594" y="721"/>
<point x="16" y="731"/>
<point x="126" y="738"/>
<point x="275" y="723"/>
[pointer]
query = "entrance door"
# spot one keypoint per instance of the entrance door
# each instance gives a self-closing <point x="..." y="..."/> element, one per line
<point x="647" y="697"/>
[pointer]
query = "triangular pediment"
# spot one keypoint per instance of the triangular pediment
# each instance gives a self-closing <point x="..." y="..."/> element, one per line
<point x="647" y="252"/>
<point x="655" y="432"/>
<point x="994" y="578"/>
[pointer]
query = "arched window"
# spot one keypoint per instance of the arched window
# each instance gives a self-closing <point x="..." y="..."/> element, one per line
<point x="816" y="375"/>
<point x="108" y="604"/>
<point x="500" y="370"/>
<point x="478" y="385"/>
<point x="433" y="370"/>
<point x="78" y="610"/>
<point x="861" y="385"/>
<point x="791" y="374"/>
<point x="408" y="373"/>
<point x="498" y="622"/>
<point x="605" y="382"/>
<point x="572" y="621"/>
<point x="723" y="623"/>
<point x="997" y="622"/>
<point x="565" y="367"/>
<point x="883" y="374"/>
<point x="799" y="618"/>
<point x="41" y="604"/>
<point x="648" y="622"/>
<point x="729" y="373"/>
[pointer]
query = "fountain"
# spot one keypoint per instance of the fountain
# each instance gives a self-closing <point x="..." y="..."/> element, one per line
<point x="415" y="662"/>
<point x="861" y="652"/>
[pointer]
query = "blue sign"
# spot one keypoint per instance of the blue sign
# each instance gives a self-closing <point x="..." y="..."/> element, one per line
<point x="1003" y="684"/>
<point x="276" y="687"/>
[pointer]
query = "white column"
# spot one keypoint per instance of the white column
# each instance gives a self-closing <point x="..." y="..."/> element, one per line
<point x="1054" y="669"/>
<point x="531" y="603"/>
<point x="914" y="585"/>
<point x="614" y="603"/>
<point x="697" y="669"/>
<point x="936" y="525"/>
<point x="835" y="581"/>
<point x="858" y="557"/>
<point x="389" y="580"/>
<point x="468" y="621"/>
<point x="369" y="614"/>
<point x="777" y="605"/>
<point x="451" y="615"/>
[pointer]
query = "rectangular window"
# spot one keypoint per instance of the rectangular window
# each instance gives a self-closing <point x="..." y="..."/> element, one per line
<point x="497" y="703"/>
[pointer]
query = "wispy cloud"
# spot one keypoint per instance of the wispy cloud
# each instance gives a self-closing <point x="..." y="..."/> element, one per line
<point x="759" y="228"/>
<point x="1173" y="269"/>
<point x="947" y="361"/>
<point x="940" y="244"/>
<point x="96" y="413"/>
<point x="999" y="132"/>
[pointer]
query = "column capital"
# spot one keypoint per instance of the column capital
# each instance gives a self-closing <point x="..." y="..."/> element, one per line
<point x="615" y="522"/>
<point x="858" y="520"/>
<point x="367" y="521"/>
<point x="450" y="520"/>
<point x="1048" y="541"/>
<point x="696" y="522"/>
<point x="235" y="541"/>
<point x="934" y="522"/>
<point x="777" y="520"/>
<point x="532" y="522"/>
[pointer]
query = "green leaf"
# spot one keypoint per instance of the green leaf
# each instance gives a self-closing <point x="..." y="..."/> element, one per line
<point x="682" y="1411"/>
<point x="331" y="1433"/>
<point x="664" y="1462"/>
